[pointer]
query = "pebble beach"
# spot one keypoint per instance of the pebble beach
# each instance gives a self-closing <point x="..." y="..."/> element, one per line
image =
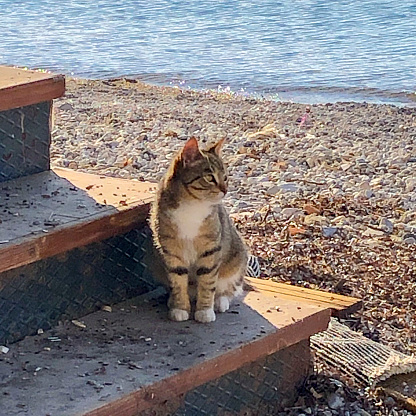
<point x="323" y="194"/>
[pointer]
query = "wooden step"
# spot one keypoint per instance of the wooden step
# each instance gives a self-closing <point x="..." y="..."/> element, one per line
<point x="340" y="305"/>
<point x="21" y="87"/>
<point x="133" y="361"/>
<point x="55" y="211"/>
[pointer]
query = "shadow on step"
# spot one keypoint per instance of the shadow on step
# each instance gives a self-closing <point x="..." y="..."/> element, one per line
<point x="72" y="284"/>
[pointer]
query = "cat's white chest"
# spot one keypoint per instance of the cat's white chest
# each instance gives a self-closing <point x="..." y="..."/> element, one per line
<point x="188" y="217"/>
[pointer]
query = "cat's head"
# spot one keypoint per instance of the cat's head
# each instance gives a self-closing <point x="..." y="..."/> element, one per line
<point x="201" y="172"/>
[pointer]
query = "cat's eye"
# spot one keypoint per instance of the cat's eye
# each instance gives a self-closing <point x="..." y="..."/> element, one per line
<point x="210" y="178"/>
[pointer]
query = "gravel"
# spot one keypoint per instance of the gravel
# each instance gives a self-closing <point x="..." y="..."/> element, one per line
<point x="324" y="195"/>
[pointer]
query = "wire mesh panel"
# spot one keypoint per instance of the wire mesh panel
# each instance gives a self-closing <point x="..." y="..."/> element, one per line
<point x="357" y="357"/>
<point x="73" y="284"/>
<point x="24" y="140"/>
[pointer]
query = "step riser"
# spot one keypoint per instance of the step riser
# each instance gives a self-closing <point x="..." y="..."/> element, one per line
<point x="73" y="284"/>
<point x="24" y="140"/>
<point x="261" y="388"/>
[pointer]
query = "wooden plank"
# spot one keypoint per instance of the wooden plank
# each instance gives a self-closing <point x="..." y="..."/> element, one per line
<point x="55" y="211"/>
<point x="21" y="87"/>
<point x="339" y="304"/>
<point x="301" y="292"/>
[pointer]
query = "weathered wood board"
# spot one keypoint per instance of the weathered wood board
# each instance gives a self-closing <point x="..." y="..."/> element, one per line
<point x="20" y="87"/>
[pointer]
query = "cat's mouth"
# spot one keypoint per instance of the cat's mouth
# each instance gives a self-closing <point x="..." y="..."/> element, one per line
<point x="218" y="196"/>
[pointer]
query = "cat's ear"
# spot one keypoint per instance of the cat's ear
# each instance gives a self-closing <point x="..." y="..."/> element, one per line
<point x="217" y="147"/>
<point x="190" y="152"/>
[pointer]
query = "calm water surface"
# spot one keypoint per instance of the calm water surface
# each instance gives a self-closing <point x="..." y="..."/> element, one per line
<point x="303" y="50"/>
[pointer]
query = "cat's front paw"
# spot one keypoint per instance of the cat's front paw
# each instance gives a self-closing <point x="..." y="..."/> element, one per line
<point x="205" y="315"/>
<point x="222" y="304"/>
<point x="178" y="315"/>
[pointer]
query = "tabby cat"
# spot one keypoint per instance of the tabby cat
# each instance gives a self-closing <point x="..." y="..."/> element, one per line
<point x="204" y="256"/>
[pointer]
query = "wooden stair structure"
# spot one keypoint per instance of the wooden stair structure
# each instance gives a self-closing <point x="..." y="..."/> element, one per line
<point x="84" y="324"/>
<point x="58" y="210"/>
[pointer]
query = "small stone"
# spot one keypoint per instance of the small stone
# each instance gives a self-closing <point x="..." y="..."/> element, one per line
<point x="329" y="231"/>
<point x="314" y="219"/>
<point x="390" y="402"/>
<point x="371" y="232"/>
<point x="288" y="187"/>
<point x="368" y="193"/>
<point x="273" y="190"/>
<point x="73" y="165"/>
<point x="345" y="166"/>
<point x="4" y="350"/>
<point x="410" y="240"/>
<point x="335" y="401"/>
<point x="365" y="185"/>
<point x="78" y="324"/>
<point x="242" y="149"/>
<point x="287" y="213"/>
<point x="311" y="209"/>
<point x="242" y="204"/>
<point x="361" y="161"/>
<point x="410" y="184"/>
<point x="120" y="162"/>
<point x="386" y="225"/>
<point x="66" y="107"/>
<point x="106" y="308"/>
<point x="296" y="230"/>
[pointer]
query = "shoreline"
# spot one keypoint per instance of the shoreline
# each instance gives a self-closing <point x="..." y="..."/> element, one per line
<point x="308" y="95"/>
<point x="296" y="94"/>
<point x="324" y="195"/>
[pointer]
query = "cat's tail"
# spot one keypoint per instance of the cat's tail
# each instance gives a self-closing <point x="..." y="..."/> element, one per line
<point x="253" y="266"/>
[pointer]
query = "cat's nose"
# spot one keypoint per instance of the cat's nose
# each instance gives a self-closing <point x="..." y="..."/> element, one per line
<point x="223" y="188"/>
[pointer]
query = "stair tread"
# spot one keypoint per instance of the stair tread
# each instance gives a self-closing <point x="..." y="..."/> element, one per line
<point x="54" y="211"/>
<point x="340" y="305"/>
<point x="20" y="87"/>
<point x="125" y="361"/>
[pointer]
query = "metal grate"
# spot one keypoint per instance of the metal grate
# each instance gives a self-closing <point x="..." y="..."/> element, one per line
<point x="24" y="140"/>
<point x="73" y="284"/>
<point x="264" y="387"/>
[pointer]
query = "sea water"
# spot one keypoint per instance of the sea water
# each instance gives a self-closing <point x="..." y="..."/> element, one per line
<point x="300" y="50"/>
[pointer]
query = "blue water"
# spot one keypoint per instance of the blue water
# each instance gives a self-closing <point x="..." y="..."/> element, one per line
<point x="304" y="50"/>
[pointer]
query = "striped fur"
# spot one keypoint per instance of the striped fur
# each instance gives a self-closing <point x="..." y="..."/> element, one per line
<point x="205" y="257"/>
